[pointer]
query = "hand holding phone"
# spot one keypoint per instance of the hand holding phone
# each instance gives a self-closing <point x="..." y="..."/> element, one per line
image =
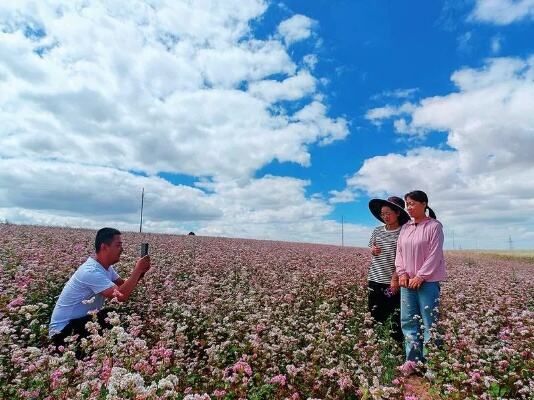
<point x="144" y="249"/>
<point x="144" y="252"/>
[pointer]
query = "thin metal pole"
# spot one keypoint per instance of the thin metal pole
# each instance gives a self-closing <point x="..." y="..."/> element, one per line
<point x="142" y="204"/>
<point x="342" y="233"/>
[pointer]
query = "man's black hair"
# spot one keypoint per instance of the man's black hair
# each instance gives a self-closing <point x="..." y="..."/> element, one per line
<point x="105" y="235"/>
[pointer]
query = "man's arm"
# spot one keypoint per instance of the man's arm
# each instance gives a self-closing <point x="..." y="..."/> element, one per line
<point x="118" y="281"/>
<point x="113" y="293"/>
<point x="122" y="292"/>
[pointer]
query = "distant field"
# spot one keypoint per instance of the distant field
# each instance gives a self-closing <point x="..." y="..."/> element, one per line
<point x="229" y="319"/>
<point x="527" y="255"/>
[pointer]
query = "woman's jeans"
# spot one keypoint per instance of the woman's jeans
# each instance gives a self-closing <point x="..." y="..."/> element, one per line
<point x="416" y="305"/>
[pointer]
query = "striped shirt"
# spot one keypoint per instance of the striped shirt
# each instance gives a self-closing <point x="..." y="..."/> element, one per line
<point x="383" y="265"/>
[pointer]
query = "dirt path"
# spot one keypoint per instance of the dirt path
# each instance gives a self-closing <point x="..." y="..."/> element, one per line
<point x="418" y="386"/>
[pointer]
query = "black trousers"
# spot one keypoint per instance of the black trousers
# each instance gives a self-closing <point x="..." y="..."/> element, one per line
<point x="77" y="327"/>
<point x="383" y="305"/>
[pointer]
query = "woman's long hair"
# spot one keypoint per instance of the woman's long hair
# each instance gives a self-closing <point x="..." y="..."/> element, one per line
<point x="421" y="197"/>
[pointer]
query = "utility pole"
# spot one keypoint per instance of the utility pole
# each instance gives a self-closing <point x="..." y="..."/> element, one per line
<point x="453" y="240"/>
<point x="342" y="233"/>
<point x="510" y="243"/>
<point x="142" y="204"/>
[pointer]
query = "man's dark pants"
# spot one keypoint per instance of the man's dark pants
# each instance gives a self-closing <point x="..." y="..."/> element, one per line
<point x="77" y="327"/>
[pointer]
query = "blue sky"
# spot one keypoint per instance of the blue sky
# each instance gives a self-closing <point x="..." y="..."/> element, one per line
<point x="370" y="48"/>
<point x="268" y="119"/>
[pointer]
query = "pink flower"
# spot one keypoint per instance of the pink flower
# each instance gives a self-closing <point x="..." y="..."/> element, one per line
<point x="30" y="394"/>
<point x="278" y="379"/>
<point x="106" y="369"/>
<point x="288" y="297"/>
<point x="292" y="370"/>
<point x="503" y="364"/>
<point x="474" y="375"/>
<point x="504" y="334"/>
<point x="344" y="382"/>
<point x="242" y="367"/>
<point x="410" y="397"/>
<point x="219" y="393"/>
<point x="408" y="367"/>
<point x="55" y="379"/>
<point x="17" y="302"/>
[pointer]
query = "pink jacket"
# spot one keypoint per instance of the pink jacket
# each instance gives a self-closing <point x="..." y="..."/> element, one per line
<point x="420" y="250"/>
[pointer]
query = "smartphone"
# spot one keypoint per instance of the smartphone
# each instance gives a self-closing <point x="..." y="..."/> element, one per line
<point x="144" y="249"/>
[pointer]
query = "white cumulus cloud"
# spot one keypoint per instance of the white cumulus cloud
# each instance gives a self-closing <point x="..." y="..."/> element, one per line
<point x="503" y="12"/>
<point x="292" y="88"/>
<point x="97" y="99"/>
<point x="296" y="28"/>
<point x="342" y="196"/>
<point x="483" y="181"/>
<point x="380" y="113"/>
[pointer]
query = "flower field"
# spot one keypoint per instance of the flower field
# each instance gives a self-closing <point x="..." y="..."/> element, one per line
<point x="223" y="318"/>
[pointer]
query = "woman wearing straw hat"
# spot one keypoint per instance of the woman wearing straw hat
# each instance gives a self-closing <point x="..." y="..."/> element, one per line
<point x="384" y="298"/>
<point x="420" y="266"/>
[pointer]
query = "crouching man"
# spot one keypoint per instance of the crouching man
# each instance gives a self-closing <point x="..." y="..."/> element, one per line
<point x="87" y="288"/>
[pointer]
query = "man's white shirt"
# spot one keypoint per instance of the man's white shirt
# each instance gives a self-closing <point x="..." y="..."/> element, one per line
<point x="81" y="294"/>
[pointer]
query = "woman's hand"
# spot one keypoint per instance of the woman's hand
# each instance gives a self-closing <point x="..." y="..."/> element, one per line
<point x="375" y="250"/>
<point x="415" y="283"/>
<point x="403" y="280"/>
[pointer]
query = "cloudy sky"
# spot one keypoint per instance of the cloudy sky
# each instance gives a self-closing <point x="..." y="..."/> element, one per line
<point x="268" y="119"/>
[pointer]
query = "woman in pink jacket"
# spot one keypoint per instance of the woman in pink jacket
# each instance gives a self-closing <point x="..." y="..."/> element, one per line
<point x="420" y="266"/>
